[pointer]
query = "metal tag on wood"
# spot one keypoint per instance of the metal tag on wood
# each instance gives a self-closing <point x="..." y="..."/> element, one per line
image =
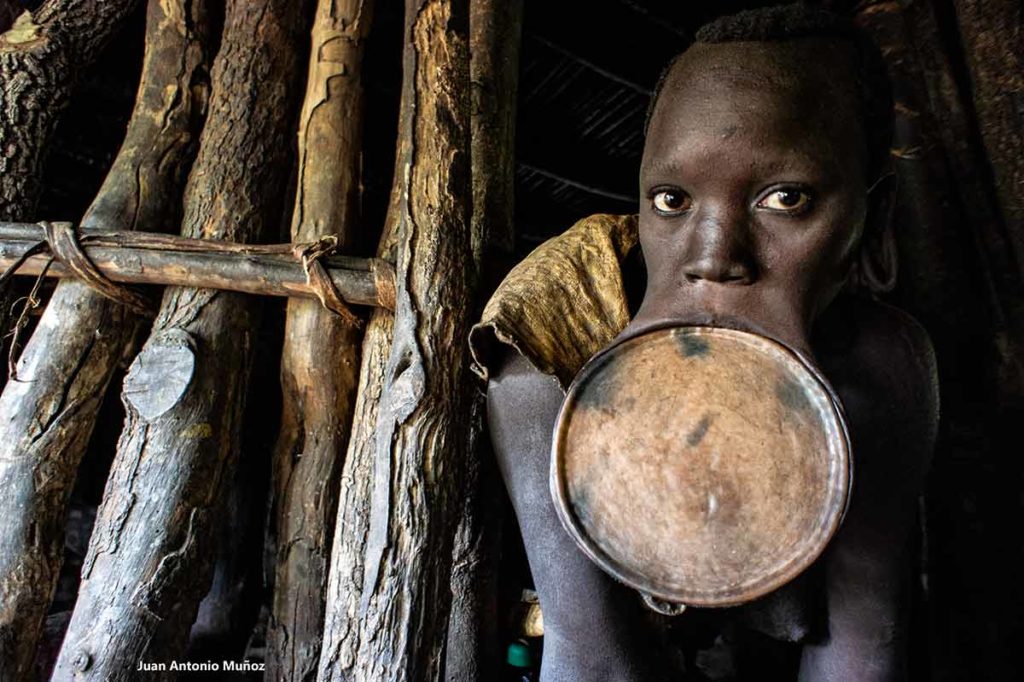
<point x="700" y="465"/>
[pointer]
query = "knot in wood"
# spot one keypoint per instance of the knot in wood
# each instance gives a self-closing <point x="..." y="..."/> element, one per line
<point x="82" y="662"/>
<point x="161" y="373"/>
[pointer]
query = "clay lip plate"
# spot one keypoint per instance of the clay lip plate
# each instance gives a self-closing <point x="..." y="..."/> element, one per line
<point x="701" y="465"/>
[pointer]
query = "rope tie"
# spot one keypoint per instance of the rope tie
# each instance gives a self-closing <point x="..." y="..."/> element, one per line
<point x="62" y="239"/>
<point x="384" y="283"/>
<point x="319" y="280"/>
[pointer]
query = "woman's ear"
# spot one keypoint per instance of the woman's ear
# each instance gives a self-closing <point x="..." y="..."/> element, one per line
<point x="875" y="267"/>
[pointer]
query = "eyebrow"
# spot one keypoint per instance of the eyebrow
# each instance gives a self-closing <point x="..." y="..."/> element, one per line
<point x="783" y="164"/>
<point x="660" y="167"/>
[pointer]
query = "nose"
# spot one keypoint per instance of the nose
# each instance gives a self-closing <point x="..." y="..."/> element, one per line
<point x="719" y="250"/>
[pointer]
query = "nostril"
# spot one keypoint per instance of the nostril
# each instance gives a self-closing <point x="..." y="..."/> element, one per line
<point x="737" y="278"/>
<point x="719" y="275"/>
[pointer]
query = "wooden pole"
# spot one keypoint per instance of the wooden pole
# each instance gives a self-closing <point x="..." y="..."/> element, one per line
<point x="387" y="620"/>
<point x="47" y="413"/>
<point x="495" y="32"/>
<point x="320" y="358"/>
<point x="494" y="35"/>
<point x="340" y="641"/>
<point x="264" y="270"/>
<point x="150" y="554"/>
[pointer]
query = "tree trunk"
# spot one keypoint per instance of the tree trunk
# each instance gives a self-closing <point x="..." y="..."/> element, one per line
<point x="494" y="30"/>
<point x="389" y="621"/>
<point x="150" y="554"/>
<point x="47" y="413"/>
<point x="41" y="56"/>
<point x="320" y="358"/>
<point x="339" y="641"/>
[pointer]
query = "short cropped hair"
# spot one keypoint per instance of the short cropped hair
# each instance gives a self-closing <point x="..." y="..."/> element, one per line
<point x="795" y="21"/>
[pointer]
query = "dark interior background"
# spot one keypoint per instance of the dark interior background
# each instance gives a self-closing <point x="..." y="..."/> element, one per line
<point x="587" y="70"/>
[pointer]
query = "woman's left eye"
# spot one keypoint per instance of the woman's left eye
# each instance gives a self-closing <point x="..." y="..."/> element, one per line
<point x="787" y="200"/>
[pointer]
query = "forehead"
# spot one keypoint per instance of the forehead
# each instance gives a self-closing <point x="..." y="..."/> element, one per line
<point x="797" y="97"/>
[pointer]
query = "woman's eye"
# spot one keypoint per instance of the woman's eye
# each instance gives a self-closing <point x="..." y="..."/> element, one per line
<point x="671" y="201"/>
<point x="787" y="200"/>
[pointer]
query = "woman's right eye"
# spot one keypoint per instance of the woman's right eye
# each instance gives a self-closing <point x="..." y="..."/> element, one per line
<point x="670" y="201"/>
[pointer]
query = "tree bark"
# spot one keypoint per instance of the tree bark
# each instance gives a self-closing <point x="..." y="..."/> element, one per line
<point x="47" y="413"/>
<point x="339" y="642"/>
<point x="41" y="56"/>
<point x="389" y="620"/>
<point x="150" y="554"/>
<point x="494" y="34"/>
<point x="320" y="358"/>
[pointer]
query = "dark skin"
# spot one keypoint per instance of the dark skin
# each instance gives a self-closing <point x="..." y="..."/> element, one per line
<point x="754" y="206"/>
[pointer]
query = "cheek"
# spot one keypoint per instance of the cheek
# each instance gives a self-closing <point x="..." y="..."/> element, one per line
<point x="841" y="241"/>
<point x="659" y="244"/>
<point x="813" y="261"/>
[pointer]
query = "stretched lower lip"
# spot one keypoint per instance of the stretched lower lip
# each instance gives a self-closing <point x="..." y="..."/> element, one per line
<point x="767" y="321"/>
<point x="698" y="319"/>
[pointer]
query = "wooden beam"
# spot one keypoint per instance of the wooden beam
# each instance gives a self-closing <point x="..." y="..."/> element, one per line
<point x="146" y="258"/>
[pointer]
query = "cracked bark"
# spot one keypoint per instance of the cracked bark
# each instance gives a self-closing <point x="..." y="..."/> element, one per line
<point x="494" y="29"/>
<point x="150" y="555"/>
<point x="82" y="337"/>
<point x="389" y="590"/>
<point x="41" y="56"/>
<point x="320" y="358"/>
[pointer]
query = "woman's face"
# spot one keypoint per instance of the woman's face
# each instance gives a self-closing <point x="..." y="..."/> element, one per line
<point x="752" y="192"/>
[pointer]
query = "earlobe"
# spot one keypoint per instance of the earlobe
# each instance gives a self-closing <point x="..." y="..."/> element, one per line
<point x="876" y="264"/>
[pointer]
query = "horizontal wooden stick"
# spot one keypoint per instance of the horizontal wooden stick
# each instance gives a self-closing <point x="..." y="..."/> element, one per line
<point x="145" y="258"/>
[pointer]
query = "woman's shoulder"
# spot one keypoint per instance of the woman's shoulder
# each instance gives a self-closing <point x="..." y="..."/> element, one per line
<point x="563" y="302"/>
<point x="886" y="376"/>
